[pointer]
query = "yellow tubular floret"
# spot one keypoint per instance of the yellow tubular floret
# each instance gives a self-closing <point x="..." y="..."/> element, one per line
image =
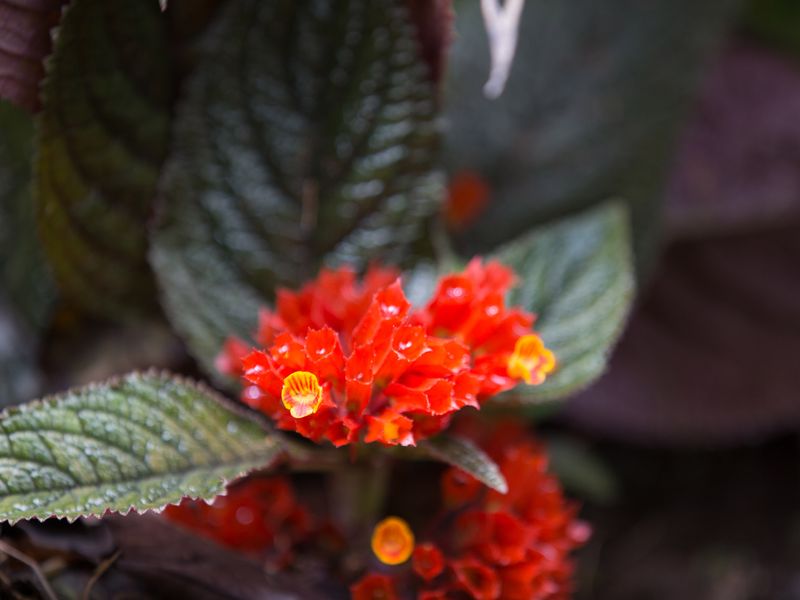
<point x="301" y="394"/>
<point x="531" y="361"/>
<point x="392" y="541"/>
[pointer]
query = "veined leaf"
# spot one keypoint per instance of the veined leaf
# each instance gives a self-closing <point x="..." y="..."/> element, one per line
<point x="139" y="442"/>
<point x="102" y="136"/>
<point x="306" y="136"/>
<point x="462" y="453"/>
<point x="577" y="276"/>
<point x="585" y="115"/>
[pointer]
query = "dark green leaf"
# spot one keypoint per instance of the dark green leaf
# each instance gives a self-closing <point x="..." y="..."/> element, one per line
<point x="306" y="136"/>
<point x="138" y="442"/>
<point x="462" y="453"/>
<point x="26" y="291"/>
<point x="577" y="276"/>
<point x="19" y="375"/>
<point x="102" y="136"/>
<point x="594" y="99"/>
<point x="580" y="471"/>
<point x="24" y="278"/>
<point x="777" y="22"/>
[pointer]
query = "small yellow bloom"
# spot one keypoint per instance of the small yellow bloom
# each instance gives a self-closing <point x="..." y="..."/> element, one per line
<point x="301" y="394"/>
<point x="392" y="541"/>
<point x="531" y="361"/>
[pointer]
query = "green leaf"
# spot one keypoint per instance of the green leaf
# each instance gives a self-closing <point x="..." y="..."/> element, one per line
<point x="581" y="472"/>
<point x="577" y="276"/>
<point x="138" y="442"/>
<point x="26" y="290"/>
<point x="24" y="277"/>
<point x="462" y="453"/>
<point x="591" y="109"/>
<point x="20" y="378"/>
<point x="776" y="22"/>
<point x="102" y="136"/>
<point x="306" y="136"/>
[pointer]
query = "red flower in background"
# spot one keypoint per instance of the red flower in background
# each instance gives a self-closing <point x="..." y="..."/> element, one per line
<point x="467" y="197"/>
<point x="476" y="578"/>
<point x="428" y="561"/>
<point x="255" y="515"/>
<point x="346" y="361"/>
<point x="513" y="546"/>
<point x="374" y="586"/>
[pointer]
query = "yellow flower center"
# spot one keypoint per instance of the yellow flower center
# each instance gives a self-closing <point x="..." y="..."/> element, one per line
<point x="301" y="394"/>
<point x="392" y="541"/>
<point x="531" y="361"/>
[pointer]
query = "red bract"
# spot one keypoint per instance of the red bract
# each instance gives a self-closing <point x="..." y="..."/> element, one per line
<point x="459" y="488"/>
<point x="477" y="579"/>
<point x="253" y="516"/>
<point x="347" y="361"/>
<point x="428" y="561"/>
<point x="373" y="586"/>
<point x="470" y="308"/>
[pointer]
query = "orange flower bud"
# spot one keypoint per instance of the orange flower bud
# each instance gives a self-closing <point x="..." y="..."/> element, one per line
<point x="531" y="361"/>
<point x="301" y="394"/>
<point x="392" y="541"/>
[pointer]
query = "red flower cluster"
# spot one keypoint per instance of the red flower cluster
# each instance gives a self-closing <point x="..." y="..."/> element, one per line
<point x="467" y="197"/>
<point x="346" y="361"/>
<point x="511" y="547"/>
<point x="255" y="515"/>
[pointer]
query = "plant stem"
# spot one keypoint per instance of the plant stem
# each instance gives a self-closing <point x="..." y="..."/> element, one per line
<point x="358" y="495"/>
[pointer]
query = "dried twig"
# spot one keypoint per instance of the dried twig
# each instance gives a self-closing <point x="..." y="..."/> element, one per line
<point x="502" y="26"/>
<point x="101" y="569"/>
<point x="32" y="565"/>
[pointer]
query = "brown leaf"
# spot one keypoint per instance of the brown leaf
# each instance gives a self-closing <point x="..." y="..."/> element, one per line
<point x="24" y="43"/>
<point x="739" y="164"/>
<point x="712" y="353"/>
<point x="434" y="22"/>
<point x="177" y="562"/>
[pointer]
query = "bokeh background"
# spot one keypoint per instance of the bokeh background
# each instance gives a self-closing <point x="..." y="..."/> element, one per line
<point x="685" y="451"/>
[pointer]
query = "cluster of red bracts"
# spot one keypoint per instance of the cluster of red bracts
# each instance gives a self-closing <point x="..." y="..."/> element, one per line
<point x="256" y="515"/>
<point x="348" y="361"/>
<point x="496" y="547"/>
<point x="481" y="544"/>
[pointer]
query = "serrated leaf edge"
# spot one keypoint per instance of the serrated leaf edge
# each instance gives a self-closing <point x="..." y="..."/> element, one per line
<point x="196" y="385"/>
